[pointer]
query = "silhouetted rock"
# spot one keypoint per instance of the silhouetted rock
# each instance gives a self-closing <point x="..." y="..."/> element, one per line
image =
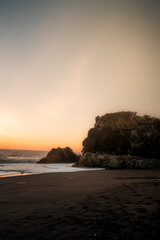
<point x="124" y="133"/>
<point x="118" y="137"/>
<point x="60" y="155"/>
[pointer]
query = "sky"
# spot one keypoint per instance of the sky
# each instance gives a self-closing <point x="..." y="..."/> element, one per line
<point x="64" y="62"/>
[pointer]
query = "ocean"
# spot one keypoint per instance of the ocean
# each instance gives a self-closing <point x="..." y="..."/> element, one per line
<point x="20" y="162"/>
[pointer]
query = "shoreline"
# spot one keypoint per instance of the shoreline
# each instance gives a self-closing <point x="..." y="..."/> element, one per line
<point x="75" y="170"/>
<point x="18" y="175"/>
<point x="54" y="170"/>
<point x="109" y="204"/>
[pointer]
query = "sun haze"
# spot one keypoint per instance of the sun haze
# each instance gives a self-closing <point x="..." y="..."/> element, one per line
<point x="62" y="63"/>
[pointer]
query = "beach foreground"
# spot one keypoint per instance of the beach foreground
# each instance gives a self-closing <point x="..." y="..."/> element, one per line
<point x="108" y="204"/>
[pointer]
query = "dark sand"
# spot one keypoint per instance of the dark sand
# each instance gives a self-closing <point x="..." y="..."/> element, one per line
<point x="110" y="205"/>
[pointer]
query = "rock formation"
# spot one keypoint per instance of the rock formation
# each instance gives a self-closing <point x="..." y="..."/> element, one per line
<point x="60" y="155"/>
<point x="124" y="140"/>
<point x="96" y="160"/>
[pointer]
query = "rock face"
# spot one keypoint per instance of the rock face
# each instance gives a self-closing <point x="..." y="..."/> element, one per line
<point x="124" y="133"/>
<point x="60" y="155"/>
<point x="95" y="160"/>
<point x="119" y="137"/>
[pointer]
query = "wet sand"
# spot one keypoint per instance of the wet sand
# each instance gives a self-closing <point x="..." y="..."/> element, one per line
<point x="108" y="204"/>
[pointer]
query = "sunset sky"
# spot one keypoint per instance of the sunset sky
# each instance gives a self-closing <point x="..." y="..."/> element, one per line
<point x="64" y="62"/>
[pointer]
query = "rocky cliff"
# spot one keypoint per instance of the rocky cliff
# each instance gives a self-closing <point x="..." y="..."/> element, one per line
<point x="60" y="155"/>
<point x="122" y="134"/>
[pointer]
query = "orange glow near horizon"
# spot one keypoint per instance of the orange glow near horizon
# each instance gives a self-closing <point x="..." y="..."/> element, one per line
<point x="19" y="144"/>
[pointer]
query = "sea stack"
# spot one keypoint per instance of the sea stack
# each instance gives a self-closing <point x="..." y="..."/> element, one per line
<point x="60" y="155"/>
<point x="122" y="140"/>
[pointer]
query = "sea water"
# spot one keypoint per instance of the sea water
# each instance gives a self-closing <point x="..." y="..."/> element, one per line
<point x="13" y="162"/>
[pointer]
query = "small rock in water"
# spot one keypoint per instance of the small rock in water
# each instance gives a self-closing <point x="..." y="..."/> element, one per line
<point x="60" y="155"/>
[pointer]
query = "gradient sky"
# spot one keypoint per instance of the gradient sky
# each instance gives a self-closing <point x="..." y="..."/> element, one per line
<point x="64" y="62"/>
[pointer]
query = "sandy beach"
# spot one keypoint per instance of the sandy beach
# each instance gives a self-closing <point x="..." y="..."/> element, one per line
<point x="117" y="204"/>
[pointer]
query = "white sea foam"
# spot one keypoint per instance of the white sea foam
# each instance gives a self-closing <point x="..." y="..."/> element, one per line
<point x="20" y="168"/>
